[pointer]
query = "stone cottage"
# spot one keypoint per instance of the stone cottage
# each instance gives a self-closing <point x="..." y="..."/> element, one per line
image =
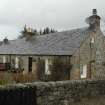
<point x="72" y="54"/>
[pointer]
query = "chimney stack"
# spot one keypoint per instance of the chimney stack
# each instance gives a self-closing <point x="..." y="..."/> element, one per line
<point x="94" y="20"/>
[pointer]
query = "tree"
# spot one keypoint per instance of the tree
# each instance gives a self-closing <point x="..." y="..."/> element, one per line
<point x="23" y="32"/>
<point x="40" y="32"/>
<point x="48" y="30"/>
<point x="44" y="31"/>
<point x="32" y="32"/>
<point x="28" y="31"/>
<point x="36" y="32"/>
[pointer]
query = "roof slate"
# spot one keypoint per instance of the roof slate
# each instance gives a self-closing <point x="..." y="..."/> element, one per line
<point x="59" y="43"/>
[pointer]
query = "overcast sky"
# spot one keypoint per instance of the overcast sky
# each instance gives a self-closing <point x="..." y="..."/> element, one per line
<point x="58" y="14"/>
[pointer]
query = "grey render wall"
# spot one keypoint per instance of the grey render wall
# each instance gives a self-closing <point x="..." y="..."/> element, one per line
<point x="85" y="92"/>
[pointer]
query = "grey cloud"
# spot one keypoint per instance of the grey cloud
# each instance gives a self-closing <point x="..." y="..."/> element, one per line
<point x="61" y="14"/>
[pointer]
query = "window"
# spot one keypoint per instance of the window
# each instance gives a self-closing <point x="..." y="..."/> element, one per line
<point x="4" y="59"/>
<point x="92" y="40"/>
<point x="16" y="62"/>
<point x="83" y="71"/>
<point x="47" y="66"/>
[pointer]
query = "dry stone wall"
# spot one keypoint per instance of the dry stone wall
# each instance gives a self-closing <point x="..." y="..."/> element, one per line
<point x="85" y="92"/>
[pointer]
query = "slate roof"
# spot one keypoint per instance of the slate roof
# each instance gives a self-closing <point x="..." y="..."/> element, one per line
<point x="59" y="43"/>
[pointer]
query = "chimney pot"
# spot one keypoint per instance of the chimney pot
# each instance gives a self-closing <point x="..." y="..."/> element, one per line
<point x="94" y="11"/>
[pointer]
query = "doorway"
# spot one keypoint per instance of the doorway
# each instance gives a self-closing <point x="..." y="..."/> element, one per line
<point x="30" y="64"/>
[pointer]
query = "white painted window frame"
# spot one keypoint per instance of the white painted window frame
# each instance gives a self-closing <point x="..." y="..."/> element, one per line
<point x="92" y="40"/>
<point x="16" y="62"/>
<point x="47" y="64"/>
<point x="83" y="69"/>
<point x="4" y="59"/>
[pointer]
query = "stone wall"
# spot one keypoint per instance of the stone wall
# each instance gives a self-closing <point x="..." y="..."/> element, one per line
<point x="82" y="57"/>
<point x="71" y="93"/>
<point x="89" y="92"/>
<point x="91" y="54"/>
